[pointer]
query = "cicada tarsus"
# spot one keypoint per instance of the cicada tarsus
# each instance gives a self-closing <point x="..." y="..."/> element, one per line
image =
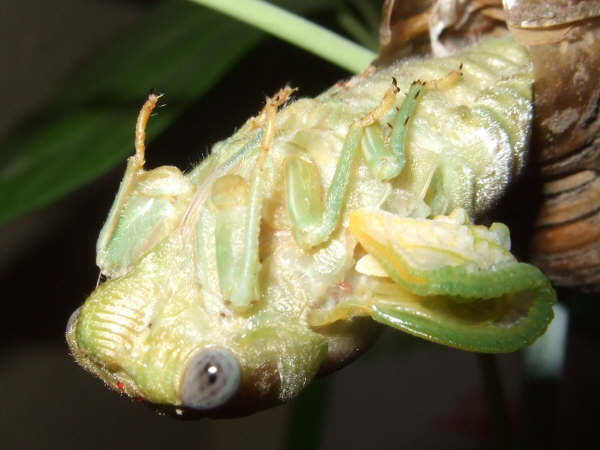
<point x="230" y="287"/>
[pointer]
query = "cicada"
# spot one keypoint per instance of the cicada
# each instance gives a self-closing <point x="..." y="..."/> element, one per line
<point x="229" y="288"/>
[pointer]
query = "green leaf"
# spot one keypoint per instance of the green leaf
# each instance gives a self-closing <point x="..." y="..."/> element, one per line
<point x="178" y="48"/>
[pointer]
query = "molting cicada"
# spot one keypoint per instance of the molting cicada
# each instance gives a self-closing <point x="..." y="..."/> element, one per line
<point x="229" y="288"/>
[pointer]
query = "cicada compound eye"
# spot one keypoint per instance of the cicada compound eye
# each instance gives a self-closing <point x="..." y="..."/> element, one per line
<point x="212" y="378"/>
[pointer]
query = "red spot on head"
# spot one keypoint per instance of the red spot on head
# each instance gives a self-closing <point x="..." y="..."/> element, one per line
<point x="344" y="286"/>
<point x="138" y="399"/>
<point x="120" y="386"/>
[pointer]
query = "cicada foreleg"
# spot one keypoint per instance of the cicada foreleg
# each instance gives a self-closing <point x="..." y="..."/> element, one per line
<point x="386" y="159"/>
<point x="148" y="206"/>
<point x="135" y="165"/>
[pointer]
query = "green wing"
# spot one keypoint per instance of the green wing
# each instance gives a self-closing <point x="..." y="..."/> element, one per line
<point x="444" y="280"/>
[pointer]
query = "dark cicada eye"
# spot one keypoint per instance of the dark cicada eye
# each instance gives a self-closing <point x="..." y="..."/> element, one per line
<point x="212" y="378"/>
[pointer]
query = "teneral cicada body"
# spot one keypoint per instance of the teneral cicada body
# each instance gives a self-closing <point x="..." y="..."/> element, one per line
<point x="231" y="287"/>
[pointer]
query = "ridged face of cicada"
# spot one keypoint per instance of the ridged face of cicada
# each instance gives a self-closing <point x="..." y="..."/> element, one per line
<point x="231" y="287"/>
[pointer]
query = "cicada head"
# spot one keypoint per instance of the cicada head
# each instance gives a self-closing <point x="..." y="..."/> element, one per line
<point x="161" y="328"/>
<point x="155" y="334"/>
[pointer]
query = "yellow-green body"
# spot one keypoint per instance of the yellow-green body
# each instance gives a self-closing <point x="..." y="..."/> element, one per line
<point x="294" y="298"/>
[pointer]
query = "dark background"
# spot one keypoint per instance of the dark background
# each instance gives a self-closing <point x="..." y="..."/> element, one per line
<point x="403" y="394"/>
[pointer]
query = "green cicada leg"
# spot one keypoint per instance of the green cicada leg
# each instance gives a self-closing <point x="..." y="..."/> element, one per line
<point x="149" y="204"/>
<point x="244" y="292"/>
<point x="386" y="159"/>
<point x="230" y="196"/>
<point x="384" y="162"/>
<point x="303" y="192"/>
<point x="311" y="223"/>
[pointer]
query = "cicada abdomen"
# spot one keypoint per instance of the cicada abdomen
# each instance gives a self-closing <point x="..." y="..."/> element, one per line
<point x="563" y="39"/>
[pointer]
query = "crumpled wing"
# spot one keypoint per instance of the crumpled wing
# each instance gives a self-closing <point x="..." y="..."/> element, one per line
<point x="444" y="280"/>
